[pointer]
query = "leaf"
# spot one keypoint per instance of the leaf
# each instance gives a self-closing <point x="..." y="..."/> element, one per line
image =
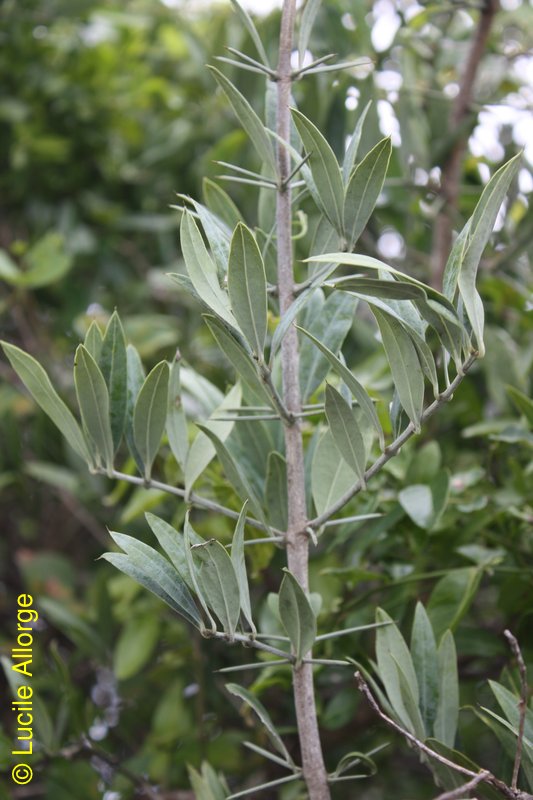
<point x="454" y="263"/>
<point x="351" y="152"/>
<point x="202" y="270"/>
<point x="417" y="502"/>
<point x="424" y="655"/>
<point x="481" y="226"/>
<point x="93" y="400"/>
<point x="522" y="403"/>
<point x="445" y="727"/>
<point x="202" y="449"/>
<point x="306" y="26"/>
<point x="189" y="534"/>
<point x="451" y="598"/>
<point x="219" y="583"/>
<point x="276" y="500"/>
<point x="113" y="363"/>
<point x="248" y="23"/>
<point x="352" y="383"/>
<point x="152" y="570"/>
<point x="47" y="260"/>
<point x="331" y="327"/>
<point x="218" y="234"/>
<point x="239" y="565"/>
<point x="149" y="415"/>
<point x="38" y="384"/>
<point x="93" y="340"/>
<point x="363" y="190"/>
<point x="220" y="203"/>
<point x="264" y="716"/>
<point x="239" y="358"/>
<point x="510" y="705"/>
<point x="345" y="431"/>
<point x="330" y="475"/>
<point x="176" y="422"/>
<point x="9" y="271"/>
<point x="404" y="364"/>
<point x="135" y="646"/>
<point x="324" y="169"/>
<point x="296" y="616"/>
<point x="248" y="119"/>
<point x="393" y="657"/>
<point x="396" y="290"/>
<point x="136" y="378"/>
<point x="173" y="543"/>
<point x="247" y="288"/>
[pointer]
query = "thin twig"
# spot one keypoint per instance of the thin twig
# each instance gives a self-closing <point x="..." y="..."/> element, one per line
<point x="393" y="448"/>
<point x="461" y="791"/>
<point x="522" y="704"/>
<point x="249" y="640"/>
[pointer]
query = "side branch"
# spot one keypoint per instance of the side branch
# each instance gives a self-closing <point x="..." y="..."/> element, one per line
<point x="393" y="448"/>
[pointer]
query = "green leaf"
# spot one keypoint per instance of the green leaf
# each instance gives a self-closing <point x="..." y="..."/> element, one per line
<point x="276" y="500"/>
<point x="352" y="383"/>
<point x="113" y="363"/>
<point x="47" y="261"/>
<point x="239" y="565"/>
<point x="152" y="570"/>
<point x="202" y="449"/>
<point x="9" y="271"/>
<point x="190" y="538"/>
<point x="38" y="384"/>
<point x="405" y="366"/>
<point x="149" y="415"/>
<point x="481" y="226"/>
<point x="451" y="598"/>
<point x="454" y="263"/>
<point x="247" y="288"/>
<point x="363" y="190"/>
<point x="330" y="326"/>
<point x="306" y="26"/>
<point x="93" y="400"/>
<point x="136" y="378"/>
<point x="217" y="232"/>
<point x="395" y="289"/>
<point x="264" y="716"/>
<point x="424" y="655"/>
<point x="393" y="658"/>
<point x="445" y="727"/>
<point x="248" y="23"/>
<point x="218" y="581"/>
<point x="522" y="402"/>
<point x="93" y="340"/>
<point x="324" y="169"/>
<point x="220" y="203"/>
<point x="509" y="704"/>
<point x="417" y="502"/>
<point x="296" y="616"/>
<point x="248" y="119"/>
<point x="239" y="358"/>
<point x="135" y="646"/>
<point x="330" y="475"/>
<point x="345" y="431"/>
<point x="176" y="423"/>
<point x="350" y="156"/>
<point x="173" y="543"/>
<point x="202" y="270"/>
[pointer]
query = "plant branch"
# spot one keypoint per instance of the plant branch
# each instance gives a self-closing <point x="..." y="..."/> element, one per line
<point x="193" y="499"/>
<point x="393" y="448"/>
<point x="314" y="770"/>
<point x="522" y="705"/>
<point x="461" y="791"/>
<point x="451" y="170"/>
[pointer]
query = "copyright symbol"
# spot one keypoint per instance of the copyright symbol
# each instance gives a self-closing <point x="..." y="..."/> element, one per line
<point x="22" y="774"/>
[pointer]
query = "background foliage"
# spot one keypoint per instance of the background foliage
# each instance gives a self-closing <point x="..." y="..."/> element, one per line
<point x="105" y="114"/>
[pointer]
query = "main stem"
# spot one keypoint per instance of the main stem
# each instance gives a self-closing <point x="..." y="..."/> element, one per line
<point x="314" y="770"/>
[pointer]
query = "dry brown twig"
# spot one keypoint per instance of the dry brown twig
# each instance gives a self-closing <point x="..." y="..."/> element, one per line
<point x="522" y="705"/>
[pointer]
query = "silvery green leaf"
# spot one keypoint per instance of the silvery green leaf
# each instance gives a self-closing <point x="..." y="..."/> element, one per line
<point x="353" y="385"/>
<point x="306" y="26"/>
<point x="394" y="290"/>
<point x="345" y="431"/>
<point x="173" y="543"/>
<point x="481" y="226"/>
<point x="190" y="538"/>
<point x="136" y="376"/>
<point x="154" y="571"/>
<point x="218" y="234"/>
<point x="220" y="204"/>
<point x="363" y="190"/>
<point x="331" y="477"/>
<point x="248" y="23"/>
<point x="176" y="424"/>
<point x="350" y="156"/>
<point x="324" y="169"/>
<point x="202" y="449"/>
<point x="410" y="703"/>
<point x="239" y="565"/>
<point x="276" y="500"/>
<point x="202" y="270"/>
<point x="239" y="358"/>
<point x="247" y="288"/>
<point x="297" y="616"/>
<point x="93" y="400"/>
<point x="93" y="340"/>
<point x="392" y="657"/>
<point x="404" y="364"/>
<point x="149" y="415"/>
<point x="445" y="727"/>
<point x="248" y="119"/>
<point x="113" y="363"/>
<point x="330" y="327"/>
<point x="38" y="384"/>
<point x="424" y="654"/>
<point x="264" y="716"/>
<point x="510" y="705"/>
<point x="454" y="263"/>
<point x="218" y="581"/>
